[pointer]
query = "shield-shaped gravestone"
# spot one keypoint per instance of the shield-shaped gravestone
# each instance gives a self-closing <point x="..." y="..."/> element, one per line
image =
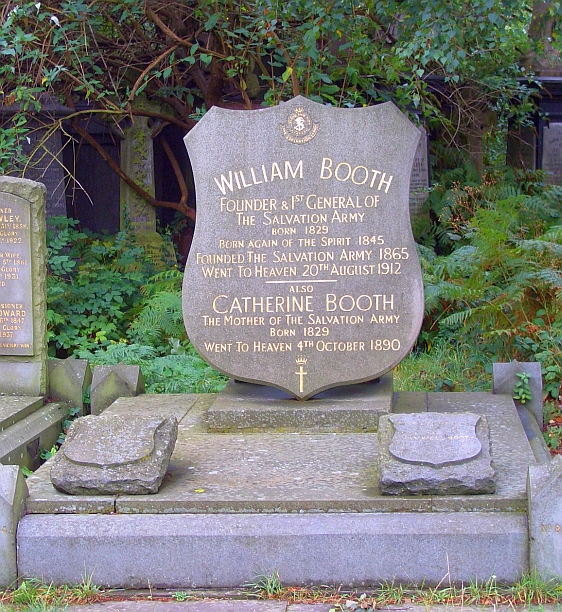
<point x="435" y="439"/>
<point x="303" y="273"/>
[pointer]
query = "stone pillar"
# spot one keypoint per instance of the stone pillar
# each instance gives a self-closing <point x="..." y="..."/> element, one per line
<point x="137" y="161"/>
<point x="23" y="300"/>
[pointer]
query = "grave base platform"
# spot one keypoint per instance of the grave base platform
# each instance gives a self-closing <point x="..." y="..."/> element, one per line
<point x="305" y="504"/>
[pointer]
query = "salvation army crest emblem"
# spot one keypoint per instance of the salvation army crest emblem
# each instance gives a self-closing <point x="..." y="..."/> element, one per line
<point x="299" y="127"/>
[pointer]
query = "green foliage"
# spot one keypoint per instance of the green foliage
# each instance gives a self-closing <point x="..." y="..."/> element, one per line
<point x="93" y="285"/>
<point x="35" y="595"/>
<point x="499" y="288"/>
<point x="265" y="586"/>
<point x="445" y="366"/>
<point x="105" y="305"/>
<point x="522" y="391"/>
<point x="159" y="317"/>
<point x="174" y="373"/>
<point x="189" y="56"/>
<point x="182" y="596"/>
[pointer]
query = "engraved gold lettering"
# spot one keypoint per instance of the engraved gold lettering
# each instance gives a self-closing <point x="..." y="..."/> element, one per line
<point x="242" y="179"/>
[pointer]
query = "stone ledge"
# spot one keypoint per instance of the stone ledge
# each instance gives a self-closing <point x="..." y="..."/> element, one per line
<point x="211" y="551"/>
<point x="249" y="407"/>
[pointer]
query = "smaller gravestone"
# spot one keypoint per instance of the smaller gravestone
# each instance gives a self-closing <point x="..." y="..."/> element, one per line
<point x="115" y="455"/>
<point x="23" y="304"/>
<point x="544" y="498"/>
<point x="435" y="454"/>
<point x="552" y="153"/>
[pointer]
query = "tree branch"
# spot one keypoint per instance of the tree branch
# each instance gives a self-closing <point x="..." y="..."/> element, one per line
<point x="125" y="177"/>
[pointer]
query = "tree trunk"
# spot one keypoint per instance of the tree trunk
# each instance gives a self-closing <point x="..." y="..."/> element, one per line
<point x="543" y="59"/>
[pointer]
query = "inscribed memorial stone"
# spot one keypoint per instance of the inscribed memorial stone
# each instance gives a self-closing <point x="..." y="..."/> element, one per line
<point x="434" y="453"/>
<point x="303" y="272"/>
<point x="16" y="297"/>
<point x="23" y="300"/>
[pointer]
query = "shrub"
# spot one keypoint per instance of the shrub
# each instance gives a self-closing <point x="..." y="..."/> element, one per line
<point x="93" y="285"/>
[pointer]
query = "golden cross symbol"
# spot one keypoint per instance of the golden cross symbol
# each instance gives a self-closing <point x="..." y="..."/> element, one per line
<point x="301" y="373"/>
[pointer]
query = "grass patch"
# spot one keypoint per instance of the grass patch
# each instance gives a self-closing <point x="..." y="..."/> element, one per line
<point x="445" y="367"/>
<point x="531" y="589"/>
<point x="35" y="595"/>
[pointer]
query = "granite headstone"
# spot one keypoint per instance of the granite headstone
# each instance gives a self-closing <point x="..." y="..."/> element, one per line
<point x="23" y="303"/>
<point x="303" y="273"/>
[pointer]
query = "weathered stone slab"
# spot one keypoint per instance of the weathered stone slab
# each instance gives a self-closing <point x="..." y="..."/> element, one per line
<point x="544" y="493"/>
<point x="114" y="381"/>
<point x="435" y="454"/>
<point x="114" y="455"/>
<point x="244" y="406"/>
<point x="13" y="492"/>
<point x="69" y="380"/>
<point x="23" y="325"/>
<point x="14" y="408"/>
<point x="505" y="378"/>
<point x="303" y="272"/>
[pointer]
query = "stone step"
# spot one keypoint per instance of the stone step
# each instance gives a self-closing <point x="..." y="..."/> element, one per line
<point x="14" y="408"/>
<point x="228" y="550"/>
<point x="21" y="443"/>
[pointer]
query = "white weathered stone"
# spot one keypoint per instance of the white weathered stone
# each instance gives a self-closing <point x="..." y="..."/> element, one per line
<point x="114" y="455"/>
<point x="434" y="453"/>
